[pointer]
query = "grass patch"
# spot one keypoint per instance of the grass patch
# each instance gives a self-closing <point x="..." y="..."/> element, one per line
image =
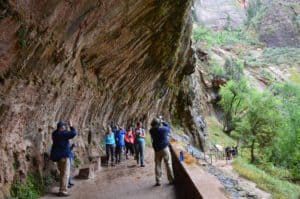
<point x="295" y="76"/>
<point x="216" y="135"/>
<point x="213" y="38"/>
<point x="275" y="56"/>
<point x="33" y="187"/>
<point x="274" y="171"/>
<point x="279" y="189"/>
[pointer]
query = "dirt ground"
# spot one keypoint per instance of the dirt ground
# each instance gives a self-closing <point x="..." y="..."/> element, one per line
<point x="126" y="181"/>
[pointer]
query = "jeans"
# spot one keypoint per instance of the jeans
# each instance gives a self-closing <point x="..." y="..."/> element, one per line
<point x="64" y="172"/>
<point x="119" y="150"/>
<point x="139" y="151"/>
<point x="110" y="152"/>
<point x="129" y="148"/>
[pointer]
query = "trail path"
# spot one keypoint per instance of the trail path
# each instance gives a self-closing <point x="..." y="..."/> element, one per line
<point x="126" y="181"/>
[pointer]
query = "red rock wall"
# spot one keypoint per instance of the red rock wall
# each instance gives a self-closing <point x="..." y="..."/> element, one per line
<point x="90" y="61"/>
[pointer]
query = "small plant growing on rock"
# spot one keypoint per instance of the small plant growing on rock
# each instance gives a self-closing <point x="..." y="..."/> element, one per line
<point x="21" y="34"/>
<point x="32" y="188"/>
<point x="76" y="161"/>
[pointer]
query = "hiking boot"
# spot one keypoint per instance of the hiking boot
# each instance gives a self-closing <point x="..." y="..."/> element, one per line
<point x="142" y="165"/>
<point x="171" y="182"/>
<point x="70" y="185"/>
<point x="157" y="184"/>
<point x="63" y="194"/>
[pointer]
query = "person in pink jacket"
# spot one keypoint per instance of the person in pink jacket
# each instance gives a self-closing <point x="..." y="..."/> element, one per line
<point x="129" y="141"/>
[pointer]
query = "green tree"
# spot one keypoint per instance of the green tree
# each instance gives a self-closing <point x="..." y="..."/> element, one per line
<point x="233" y="68"/>
<point x="260" y="122"/>
<point x="286" y="150"/>
<point x="233" y="96"/>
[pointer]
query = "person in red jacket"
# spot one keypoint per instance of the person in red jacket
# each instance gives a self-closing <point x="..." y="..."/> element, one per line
<point x="129" y="141"/>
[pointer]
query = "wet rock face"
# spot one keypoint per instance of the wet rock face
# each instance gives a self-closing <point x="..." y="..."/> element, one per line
<point x="89" y="61"/>
<point x="220" y="14"/>
<point x="280" y="24"/>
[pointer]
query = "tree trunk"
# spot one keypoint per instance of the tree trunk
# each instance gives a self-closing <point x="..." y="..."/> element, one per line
<point x="227" y="127"/>
<point x="252" y="151"/>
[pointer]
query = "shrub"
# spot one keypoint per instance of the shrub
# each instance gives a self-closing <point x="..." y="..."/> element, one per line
<point x="211" y="37"/>
<point x="33" y="187"/>
<point x="76" y="161"/>
<point x="275" y="56"/>
<point x="253" y="9"/>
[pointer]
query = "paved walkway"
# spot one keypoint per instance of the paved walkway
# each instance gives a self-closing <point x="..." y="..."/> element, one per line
<point x="126" y="181"/>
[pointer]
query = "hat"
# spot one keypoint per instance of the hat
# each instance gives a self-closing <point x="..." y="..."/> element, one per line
<point x="60" y="124"/>
<point x="155" y="122"/>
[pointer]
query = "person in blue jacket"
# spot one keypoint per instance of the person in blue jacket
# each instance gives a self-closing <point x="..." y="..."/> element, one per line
<point x="160" y="141"/>
<point x="110" y="145"/>
<point x="120" y="143"/>
<point x="61" y="153"/>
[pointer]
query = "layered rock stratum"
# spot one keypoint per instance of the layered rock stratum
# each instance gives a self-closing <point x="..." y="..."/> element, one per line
<point x="92" y="62"/>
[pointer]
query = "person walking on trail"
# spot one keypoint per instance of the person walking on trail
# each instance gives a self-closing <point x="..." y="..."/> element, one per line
<point x="114" y="127"/>
<point x="160" y="141"/>
<point x="129" y="142"/>
<point x="120" y="144"/>
<point x="139" y="142"/>
<point x="110" y="145"/>
<point x="61" y="153"/>
<point x="228" y="153"/>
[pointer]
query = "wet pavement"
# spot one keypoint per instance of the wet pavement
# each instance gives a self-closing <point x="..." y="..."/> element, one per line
<point x="126" y="181"/>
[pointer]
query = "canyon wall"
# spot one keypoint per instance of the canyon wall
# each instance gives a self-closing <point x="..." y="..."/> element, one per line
<point x="90" y="61"/>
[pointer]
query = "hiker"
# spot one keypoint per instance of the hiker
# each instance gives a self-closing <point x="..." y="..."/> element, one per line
<point x="129" y="142"/>
<point x="228" y="153"/>
<point x="139" y="142"/>
<point x="114" y="127"/>
<point x="160" y="142"/>
<point x="120" y="144"/>
<point x="61" y="153"/>
<point x="71" y="161"/>
<point x="234" y="151"/>
<point x="110" y="145"/>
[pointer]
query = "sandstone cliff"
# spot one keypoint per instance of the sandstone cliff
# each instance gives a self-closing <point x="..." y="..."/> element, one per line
<point x="92" y="62"/>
